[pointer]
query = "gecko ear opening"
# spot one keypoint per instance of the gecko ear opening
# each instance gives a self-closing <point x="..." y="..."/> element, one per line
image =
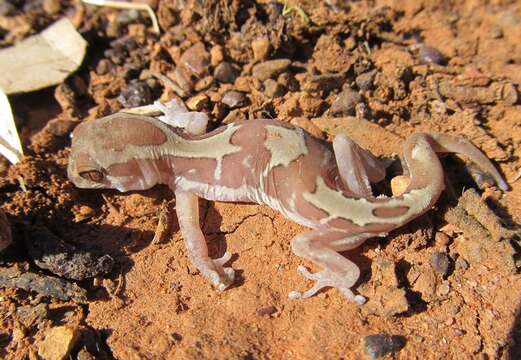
<point x="92" y="175"/>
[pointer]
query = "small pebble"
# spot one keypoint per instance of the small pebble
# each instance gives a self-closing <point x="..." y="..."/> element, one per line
<point x="234" y="99"/>
<point x="270" y="69"/>
<point x="197" y="102"/>
<point x="135" y="94"/>
<point x="365" y="81"/>
<point x="103" y="67"/>
<point x="440" y="262"/>
<point x="216" y="55"/>
<point x="376" y="346"/>
<point x="273" y="89"/>
<point x="345" y="103"/>
<point x="261" y="48"/>
<point x="430" y="55"/>
<point x="196" y="59"/>
<point x="51" y="7"/>
<point x="225" y="73"/>
<point x="266" y="310"/>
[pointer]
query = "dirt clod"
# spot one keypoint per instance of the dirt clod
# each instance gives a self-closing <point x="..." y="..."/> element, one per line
<point x="58" y="343"/>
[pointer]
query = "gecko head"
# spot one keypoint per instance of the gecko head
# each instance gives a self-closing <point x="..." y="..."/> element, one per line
<point x="115" y="152"/>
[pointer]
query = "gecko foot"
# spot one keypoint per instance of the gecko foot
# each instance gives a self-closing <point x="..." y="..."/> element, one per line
<point x="223" y="277"/>
<point x="323" y="279"/>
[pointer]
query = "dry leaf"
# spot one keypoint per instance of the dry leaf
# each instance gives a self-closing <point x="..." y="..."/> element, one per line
<point x="42" y="60"/>
<point x="10" y="145"/>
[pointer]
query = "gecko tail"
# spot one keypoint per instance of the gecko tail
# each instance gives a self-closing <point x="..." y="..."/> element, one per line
<point x="426" y="179"/>
<point x="444" y="143"/>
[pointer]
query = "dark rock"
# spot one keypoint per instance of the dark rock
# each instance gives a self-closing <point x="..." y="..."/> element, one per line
<point x="51" y="253"/>
<point x="430" y="55"/>
<point x="273" y="89"/>
<point x="365" y="81"/>
<point x="345" y="103"/>
<point x="440" y="262"/>
<point x="225" y="73"/>
<point x="234" y="99"/>
<point x="270" y="69"/>
<point x="376" y="346"/>
<point x="135" y="94"/>
<point x="15" y="278"/>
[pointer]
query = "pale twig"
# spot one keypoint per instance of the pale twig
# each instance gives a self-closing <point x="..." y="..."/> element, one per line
<point x="128" y="6"/>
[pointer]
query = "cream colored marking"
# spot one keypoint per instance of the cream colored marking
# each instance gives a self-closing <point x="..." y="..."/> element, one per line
<point x="360" y="211"/>
<point x="285" y="145"/>
<point x="246" y="162"/>
<point x="213" y="147"/>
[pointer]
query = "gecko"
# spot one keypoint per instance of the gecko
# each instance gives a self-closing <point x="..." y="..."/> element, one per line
<point x="321" y="185"/>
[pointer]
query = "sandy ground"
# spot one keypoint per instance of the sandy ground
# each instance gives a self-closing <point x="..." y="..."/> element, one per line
<point x="447" y="283"/>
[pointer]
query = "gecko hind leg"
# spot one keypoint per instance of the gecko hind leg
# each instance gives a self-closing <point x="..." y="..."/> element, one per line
<point x="357" y="166"/>
<point x="322" y="246"/>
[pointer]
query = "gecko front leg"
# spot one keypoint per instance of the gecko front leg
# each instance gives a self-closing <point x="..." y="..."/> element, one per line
<point x="187" y="208"/>
<point x="322" y="246"/>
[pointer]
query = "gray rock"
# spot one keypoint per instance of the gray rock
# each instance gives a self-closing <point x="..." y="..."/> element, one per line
<point x="440" y="262"/>
<point x="365" y="81"/>
<point x="234" y="99"/>
<point x="136" y="93"/>
<point x="345" y="103"/>
<point x="270" y="69"/>
<point x="430" y="55"/>
<point x="225" y="73"/>
<point x="376" y="346"/>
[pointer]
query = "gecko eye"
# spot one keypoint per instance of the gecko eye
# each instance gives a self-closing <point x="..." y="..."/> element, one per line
<point x="92" y="175"/>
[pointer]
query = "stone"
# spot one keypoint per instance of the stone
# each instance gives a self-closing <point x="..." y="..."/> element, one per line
<point x="273" y="89"/>
<point x="135" y="94"/>
<point x="225" y="73"/>
<point x="234" y="99"/>
<point x="261" y="48"/>
<point x="345" y="103"/>
<point x="216" y="55"/>
<point x="379" y="345"/>
<point x="430" y="55"/>
<point x="196" y="59"/>
<point x="51" y="7"/>
<point x="270" y="69"/>
<point x="197" y="102"/>
<point x="399" y="184"/>
<point x="58" y="343"/>
<point x="440" y="262"/>
<point x="266" y="310"/>
<point x="325" y="82"/>
<point x="365" y="81"/>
